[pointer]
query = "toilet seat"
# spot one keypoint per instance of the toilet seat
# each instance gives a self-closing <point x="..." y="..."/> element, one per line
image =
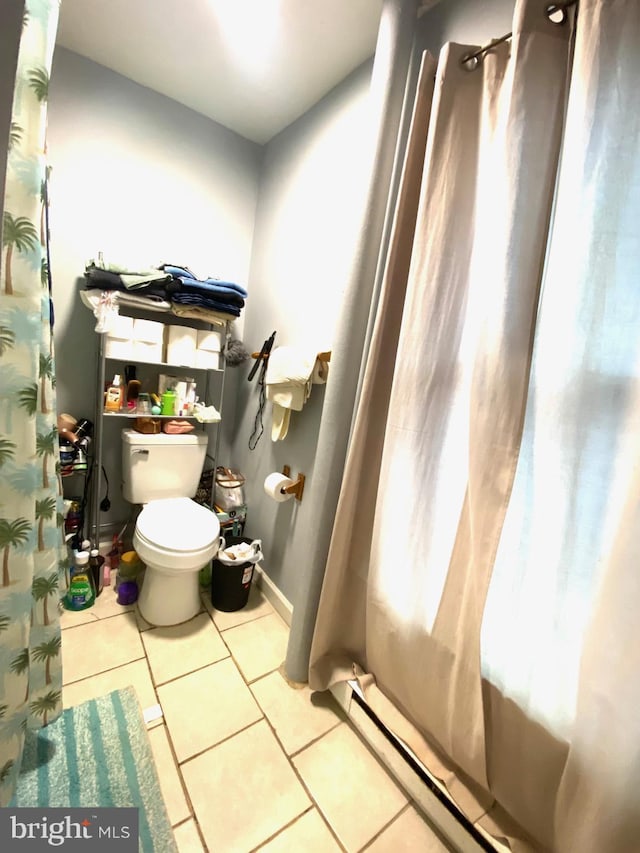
<point x="177" y="524"/>
<point x="176" y="535"/>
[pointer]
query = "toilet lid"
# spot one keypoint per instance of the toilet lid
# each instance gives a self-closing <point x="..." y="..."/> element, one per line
<point x="178" y="524"/>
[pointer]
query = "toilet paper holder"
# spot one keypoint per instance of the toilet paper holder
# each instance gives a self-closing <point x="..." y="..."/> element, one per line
<point x="296" y="488"/>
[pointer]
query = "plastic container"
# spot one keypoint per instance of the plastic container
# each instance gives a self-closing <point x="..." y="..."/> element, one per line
<point x="169" y="399"/>
<point x="115" y="395"/>
<point x="80" y="594"/>
<point x="96" y="563"/>
<point x="231" y="584"/>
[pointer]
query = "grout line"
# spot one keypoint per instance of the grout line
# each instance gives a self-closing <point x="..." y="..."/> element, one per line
<point x="100" y="672"/>
<point x="384" y="828"/>
<point x="191" y="672"/>
<point x="305" y="787"/>
<point x="315" y="740"/>
<point x="219" y="742"/>
<point x="183" y="784"/>
<point x="283" y="828"/>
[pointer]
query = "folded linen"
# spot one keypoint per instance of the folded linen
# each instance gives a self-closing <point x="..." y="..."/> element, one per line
<point x="183" y="273"/>
<point x="105" y="305"/>
<point x="204" y="302"/>
<point x="207" y="288"/>
<point x="131" y="277"/>
<point x="196" y="312"/>
<point x="107" y="280"/>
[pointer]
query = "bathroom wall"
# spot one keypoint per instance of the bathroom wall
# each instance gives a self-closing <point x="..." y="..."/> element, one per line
<point x="465" y="22"/>
<point x="136" y="175"/>
<point x="309" y="209"/>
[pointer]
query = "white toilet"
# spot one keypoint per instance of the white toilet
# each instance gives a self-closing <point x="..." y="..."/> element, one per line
<point x="174" y="536"/>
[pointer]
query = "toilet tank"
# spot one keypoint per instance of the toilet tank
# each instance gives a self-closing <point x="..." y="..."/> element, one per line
<point x="161" y="466"/>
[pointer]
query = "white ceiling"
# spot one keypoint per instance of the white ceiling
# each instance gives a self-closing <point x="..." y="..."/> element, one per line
<point x="251" y="65"/>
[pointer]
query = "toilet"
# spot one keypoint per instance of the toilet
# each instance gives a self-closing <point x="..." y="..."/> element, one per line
<point x="174" y="536"/>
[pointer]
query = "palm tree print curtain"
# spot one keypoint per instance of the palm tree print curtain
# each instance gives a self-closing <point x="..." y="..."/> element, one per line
<point x="32" y="552"/>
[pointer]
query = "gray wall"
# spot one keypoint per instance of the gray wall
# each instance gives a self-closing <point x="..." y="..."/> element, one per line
<point x="464" y="22"/>
<point x="138" y="176"/>
<point x="311" y="196"/>
<point x="10" y="26"/>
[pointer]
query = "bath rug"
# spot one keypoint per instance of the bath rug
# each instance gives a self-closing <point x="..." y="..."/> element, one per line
<point x="98" y="754"/>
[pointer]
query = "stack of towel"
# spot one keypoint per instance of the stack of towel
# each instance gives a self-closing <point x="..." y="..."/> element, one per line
<point x="291" y="371"/>
<point x="211" y="294"/>
<point x="167" y="287"/>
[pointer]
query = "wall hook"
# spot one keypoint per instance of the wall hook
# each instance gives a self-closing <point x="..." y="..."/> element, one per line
<point x="295" y="488"/>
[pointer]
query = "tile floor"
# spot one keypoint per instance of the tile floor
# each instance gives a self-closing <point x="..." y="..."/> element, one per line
<point x="246" y="762"/>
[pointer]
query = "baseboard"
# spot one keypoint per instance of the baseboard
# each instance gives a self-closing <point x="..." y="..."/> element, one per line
<point x="276" y="599"/>
<point x="425" y="791"/>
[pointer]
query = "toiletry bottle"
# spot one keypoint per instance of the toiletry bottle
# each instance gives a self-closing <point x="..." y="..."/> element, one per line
<point x="133" y="386"/>
<point x="168" y="402"/>
<point x="80" y="594"/>
<point x="113" y="401"/>
<point x="96" y="562"/>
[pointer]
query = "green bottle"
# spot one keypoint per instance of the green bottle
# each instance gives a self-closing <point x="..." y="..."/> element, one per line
<point x="80" y="594"/>
<point x="168" y="402"/>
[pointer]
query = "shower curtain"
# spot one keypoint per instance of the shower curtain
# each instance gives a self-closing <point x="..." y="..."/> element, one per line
<point x="31" y="540"/>
<point x="481" y="580"/>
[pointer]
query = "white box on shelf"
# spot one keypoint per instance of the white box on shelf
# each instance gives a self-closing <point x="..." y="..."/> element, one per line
<point x="119" y="342"/>
<point x="207" y="360"/>
<point x="147" y="340"/>
<point x="210" y="341"/>
<point x="208" y="354"/>
<point x="181" y="345"/>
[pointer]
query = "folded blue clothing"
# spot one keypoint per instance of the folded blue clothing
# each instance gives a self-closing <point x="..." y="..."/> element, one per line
<point x="216" y="291"/>
<point x="184" y="273"/>
<point x="182" y="298"/>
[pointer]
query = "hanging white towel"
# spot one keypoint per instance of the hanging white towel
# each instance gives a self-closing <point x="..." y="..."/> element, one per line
<point x="291" y="371"/>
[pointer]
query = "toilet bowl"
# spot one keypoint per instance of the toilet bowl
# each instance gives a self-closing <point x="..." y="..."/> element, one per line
<point x="175" y="538"/>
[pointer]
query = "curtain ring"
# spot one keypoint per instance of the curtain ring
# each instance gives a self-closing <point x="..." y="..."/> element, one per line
<point x="470" y="62"/>
<point x="556" y="13"/>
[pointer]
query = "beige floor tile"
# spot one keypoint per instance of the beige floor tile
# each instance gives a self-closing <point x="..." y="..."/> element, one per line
<point x="244" y="790"/>
<point x="350" y="787"/>
<point x="73" y="618"/>
<point x="107" y="604"/>
<point x="203" y="708"/>
<point x="259" y="646"/>
<point x="143" y="625"/>
<point x="297" y="715"/>
<point x="256" y="607"/>
<point x="170" y="783"/>
<point x="187" y="838"/>
<point x="309" y="834"/>
<point x="98" y="646"/>
<point x="135" y="674"/>
<point x="180" y="649"/>
<point x="408" y="833"/>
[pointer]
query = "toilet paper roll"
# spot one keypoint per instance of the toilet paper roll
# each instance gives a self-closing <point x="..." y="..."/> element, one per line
<point x="274" y="484"/>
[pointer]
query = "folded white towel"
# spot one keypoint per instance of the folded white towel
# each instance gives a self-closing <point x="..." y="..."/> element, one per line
<point x="291" y="371"/>
<point x="290" y="366"/>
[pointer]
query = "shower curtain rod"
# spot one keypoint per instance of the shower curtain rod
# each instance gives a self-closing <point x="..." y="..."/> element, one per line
<point x="551" y="9"/>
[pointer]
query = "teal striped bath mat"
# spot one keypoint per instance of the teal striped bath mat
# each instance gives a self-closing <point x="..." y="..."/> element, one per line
<point x="98" y="754"/>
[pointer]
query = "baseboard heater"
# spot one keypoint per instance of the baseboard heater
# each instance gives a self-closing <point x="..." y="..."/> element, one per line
<point x="457" y="830"/>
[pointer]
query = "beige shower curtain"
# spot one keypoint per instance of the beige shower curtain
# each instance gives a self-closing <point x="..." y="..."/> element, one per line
<point x="481" y="563"/>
